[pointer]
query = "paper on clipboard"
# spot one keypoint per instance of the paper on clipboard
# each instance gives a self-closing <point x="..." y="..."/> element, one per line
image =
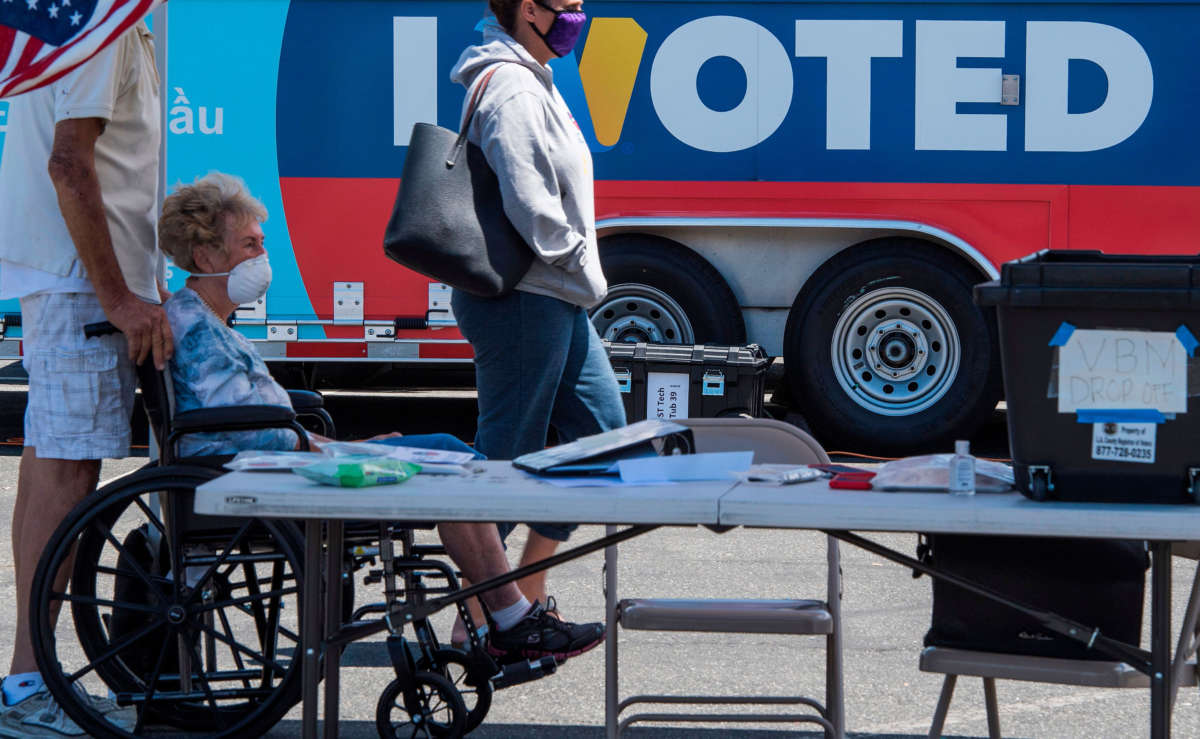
<point x="685" y="467"/>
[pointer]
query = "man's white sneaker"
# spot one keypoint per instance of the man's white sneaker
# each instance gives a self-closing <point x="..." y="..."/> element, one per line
<point x="122" y="718"/>
<point x="39" y="715"/>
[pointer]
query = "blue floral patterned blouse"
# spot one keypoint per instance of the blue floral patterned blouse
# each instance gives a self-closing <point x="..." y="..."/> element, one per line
<point x="216" y="366"/>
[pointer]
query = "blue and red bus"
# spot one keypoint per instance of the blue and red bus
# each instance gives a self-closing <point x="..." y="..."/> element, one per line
<point x="826" y="179"/>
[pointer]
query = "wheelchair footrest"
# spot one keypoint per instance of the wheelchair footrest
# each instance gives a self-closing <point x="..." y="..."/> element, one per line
<point x="524" y="671"/>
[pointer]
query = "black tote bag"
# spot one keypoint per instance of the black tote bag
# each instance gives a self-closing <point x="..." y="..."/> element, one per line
<point x="448" y="222"/>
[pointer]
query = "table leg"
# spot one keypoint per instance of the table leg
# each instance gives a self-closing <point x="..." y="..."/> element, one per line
<point x="310" y="632"/>
<point x="333" y="622"/>
<point x="1160" y="640"/>
<point x="611" y="674"/>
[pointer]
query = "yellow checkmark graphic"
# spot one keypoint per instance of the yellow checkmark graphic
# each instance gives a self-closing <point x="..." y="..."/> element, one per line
<point x="609" y="69"/>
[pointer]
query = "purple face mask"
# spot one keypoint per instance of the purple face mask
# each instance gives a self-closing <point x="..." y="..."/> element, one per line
<point x="564" y="31"/>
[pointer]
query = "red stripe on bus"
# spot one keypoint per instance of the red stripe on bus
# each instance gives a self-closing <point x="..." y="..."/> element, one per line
<point x="321" y="349"/>
<point x="446" y="351"/>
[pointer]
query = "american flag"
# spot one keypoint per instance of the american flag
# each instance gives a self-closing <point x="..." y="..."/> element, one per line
<point x="41" y="40"/>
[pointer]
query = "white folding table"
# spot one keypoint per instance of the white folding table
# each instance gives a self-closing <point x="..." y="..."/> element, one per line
<point x="816" y="506"/>
<point x="498" y="492"/>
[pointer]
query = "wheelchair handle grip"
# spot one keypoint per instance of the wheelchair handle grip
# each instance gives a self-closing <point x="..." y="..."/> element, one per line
<point x="103" y="328"/>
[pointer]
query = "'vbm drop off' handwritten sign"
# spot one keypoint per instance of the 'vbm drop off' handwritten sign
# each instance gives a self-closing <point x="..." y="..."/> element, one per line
<point x="1108" y="370"/>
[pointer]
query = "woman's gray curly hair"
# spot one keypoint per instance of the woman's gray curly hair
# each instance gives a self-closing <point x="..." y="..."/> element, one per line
<point x="199" y="214"/>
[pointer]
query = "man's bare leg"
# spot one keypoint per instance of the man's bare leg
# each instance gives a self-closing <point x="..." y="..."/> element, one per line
<point x="47" y="490"/>
<point x="537" y="548"/>
<point x="476" y="549"/>
<point x="530" y="631"/>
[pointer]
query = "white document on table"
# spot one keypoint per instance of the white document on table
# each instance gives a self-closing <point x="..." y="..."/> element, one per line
<point x="685" y="467"/>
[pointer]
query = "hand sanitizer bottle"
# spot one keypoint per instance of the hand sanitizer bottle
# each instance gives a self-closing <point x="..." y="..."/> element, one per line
<point x="962" y="469"/>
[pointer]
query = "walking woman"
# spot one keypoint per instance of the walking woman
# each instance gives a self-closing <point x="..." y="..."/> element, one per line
<point x="538" y="360"/>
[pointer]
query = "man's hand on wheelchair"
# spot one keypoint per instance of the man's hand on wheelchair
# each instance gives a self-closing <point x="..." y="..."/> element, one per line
<point x="146" y="329"/>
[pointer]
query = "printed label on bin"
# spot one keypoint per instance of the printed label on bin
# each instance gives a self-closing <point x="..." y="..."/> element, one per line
<point x="1124" y="442"/>
<point x="667" y="395"/>
<point x="1121" y="370"/>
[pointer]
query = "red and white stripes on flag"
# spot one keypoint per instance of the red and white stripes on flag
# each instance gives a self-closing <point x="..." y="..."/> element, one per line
<point x="30" y="62"/>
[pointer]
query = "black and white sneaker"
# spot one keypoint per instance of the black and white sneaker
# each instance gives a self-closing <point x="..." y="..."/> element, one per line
<point x="540" y="634"/>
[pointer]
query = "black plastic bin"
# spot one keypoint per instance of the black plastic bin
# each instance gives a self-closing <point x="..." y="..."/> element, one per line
<point x="1104" y="450"/>
<point x="689" y="381"/>
<point x="1095" y="581"/>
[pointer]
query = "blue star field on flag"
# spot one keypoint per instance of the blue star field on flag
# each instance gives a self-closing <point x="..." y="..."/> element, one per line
<point x="52" y="22"/>
<point x="41" y="40"/>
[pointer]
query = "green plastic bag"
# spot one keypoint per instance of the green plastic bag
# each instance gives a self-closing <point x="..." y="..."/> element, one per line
<point x="359" y="472"/>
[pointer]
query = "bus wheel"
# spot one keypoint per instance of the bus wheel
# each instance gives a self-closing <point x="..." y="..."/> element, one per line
<point x="885" y="351"/>
<point x="661" y="292"/>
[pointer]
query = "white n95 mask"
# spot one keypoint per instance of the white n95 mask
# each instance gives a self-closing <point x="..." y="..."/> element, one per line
<point x="248" y="281"/>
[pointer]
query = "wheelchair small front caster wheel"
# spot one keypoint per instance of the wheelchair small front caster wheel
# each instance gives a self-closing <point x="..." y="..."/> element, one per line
<point x="432" y="708"/>
<point x="472" y="684"/>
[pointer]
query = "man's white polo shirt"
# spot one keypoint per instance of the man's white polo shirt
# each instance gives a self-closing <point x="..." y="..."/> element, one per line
<point x="119" y="85"/>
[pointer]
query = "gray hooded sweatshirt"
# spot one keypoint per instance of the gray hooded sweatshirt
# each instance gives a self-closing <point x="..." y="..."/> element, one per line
<point x="540" y="156"/>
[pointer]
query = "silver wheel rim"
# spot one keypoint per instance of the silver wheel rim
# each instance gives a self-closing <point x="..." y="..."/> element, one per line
<point x="895" y="351"/>
<point x="633" y="313"/>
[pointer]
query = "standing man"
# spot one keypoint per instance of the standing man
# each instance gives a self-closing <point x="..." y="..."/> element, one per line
<point x="78" y="215"/>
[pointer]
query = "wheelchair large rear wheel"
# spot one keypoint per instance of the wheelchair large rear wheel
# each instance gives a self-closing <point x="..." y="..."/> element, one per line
<point x="190" y="628"/>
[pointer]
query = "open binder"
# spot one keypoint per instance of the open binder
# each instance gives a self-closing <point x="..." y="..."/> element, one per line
<point x="599" y="453"/>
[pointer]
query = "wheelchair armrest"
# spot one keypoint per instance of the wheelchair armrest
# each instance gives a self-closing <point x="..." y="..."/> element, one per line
<point x="306" y="400"/>
<point x="311" y="405"/>
<point x="233" y="418"/>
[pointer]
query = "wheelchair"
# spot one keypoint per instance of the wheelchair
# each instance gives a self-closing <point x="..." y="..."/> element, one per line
<point x="190" y="624"/>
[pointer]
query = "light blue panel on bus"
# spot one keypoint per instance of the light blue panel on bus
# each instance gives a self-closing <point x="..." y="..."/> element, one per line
<point x="7" y="306"/>
<point x="3" y="123"/>
<point x="222" y="72"/>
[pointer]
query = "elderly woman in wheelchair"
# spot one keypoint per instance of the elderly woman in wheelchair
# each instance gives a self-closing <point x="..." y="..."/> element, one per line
<point x="192" y="621"/>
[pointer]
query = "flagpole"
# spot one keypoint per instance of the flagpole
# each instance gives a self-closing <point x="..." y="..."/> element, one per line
<point x="158" y="22"/>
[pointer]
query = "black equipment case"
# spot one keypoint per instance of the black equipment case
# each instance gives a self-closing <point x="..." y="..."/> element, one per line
<point x="1097" y="582"/>
<point x="689" y="381"/>
<point x="1122" y="455"/>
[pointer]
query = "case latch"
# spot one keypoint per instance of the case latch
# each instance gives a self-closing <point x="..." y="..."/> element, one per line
<point x="1033" y="471"/>
<point x="624" y="380"/>
<point x="713" y="383"/>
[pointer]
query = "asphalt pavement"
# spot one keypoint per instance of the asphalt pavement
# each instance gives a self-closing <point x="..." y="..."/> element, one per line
<point x="886" y="613"/>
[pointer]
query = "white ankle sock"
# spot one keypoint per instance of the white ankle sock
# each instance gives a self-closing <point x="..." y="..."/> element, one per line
<point x="506" y="618"/>
<point x="18" y="687"/>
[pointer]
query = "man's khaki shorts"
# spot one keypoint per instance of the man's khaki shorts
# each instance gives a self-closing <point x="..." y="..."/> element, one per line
<point x="80" y="390"/>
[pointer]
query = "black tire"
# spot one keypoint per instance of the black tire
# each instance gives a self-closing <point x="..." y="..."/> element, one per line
<point x="436" y="709"/>
<point x="143" y="548"/>
<point x="1039" y="487"/>
<point x="235" y="606"/>
<point x="660" y="291"/>
<point x="932" y="374"/>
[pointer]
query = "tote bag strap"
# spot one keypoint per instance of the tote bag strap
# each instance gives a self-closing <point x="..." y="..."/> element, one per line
<point x="470" y="115"/>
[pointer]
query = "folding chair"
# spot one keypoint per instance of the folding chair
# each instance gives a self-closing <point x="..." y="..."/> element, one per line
<point x="772" y="442"/>
<point x="1088" y="673"/>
